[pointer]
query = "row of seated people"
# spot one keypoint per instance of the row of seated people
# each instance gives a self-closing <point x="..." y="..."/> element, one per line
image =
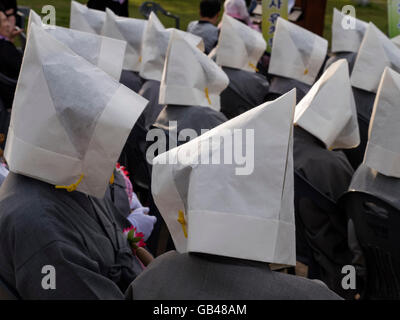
<point x="321" y="237"/>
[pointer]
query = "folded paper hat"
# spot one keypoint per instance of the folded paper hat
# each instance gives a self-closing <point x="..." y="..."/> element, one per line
<point x="155" y="44"/>
<point x="229" y="209"/>
<point x="239" y="46"/>
<point x="190" y="77"/>
<point x="346" y="40"/>
<point x="296" y="52"/>
<point x="376" y="53"/>
<point x="85" y="19"/>
<point x="328" y="111"/>
<point x="69" y="120"/>
<point x="130" y="30"/>
<point x="383" y="148"/>
<point x="105" y="53"/>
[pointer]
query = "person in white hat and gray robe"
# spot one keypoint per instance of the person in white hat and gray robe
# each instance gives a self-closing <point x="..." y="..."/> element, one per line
<point x="154" y="47"/>
<point x="325" y="122"/>
<point x="238" y="52"/>
<point x="347" y="35"/>
<point x="297" y="58"/>
<point x="190" y="90"/>
<point x="365" y="79"/>
<point x="129" y="30"/>
<point x="225" y="230"/>
<point x="69" y="123"/>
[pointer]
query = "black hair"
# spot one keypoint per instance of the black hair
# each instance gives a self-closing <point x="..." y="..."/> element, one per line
<point x="210" y="8"/>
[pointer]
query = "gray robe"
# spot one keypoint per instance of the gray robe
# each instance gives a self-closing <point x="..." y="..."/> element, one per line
<point x="189" y="276"/>
<point x="364" y="105"/>
<point x="150" y="91"/>
<point x="207" y="31"/>
<point x="132" y="80"/>
<point x="246" y="90"/>
<point x="280" y="85"/>
<point x="80" y="236"/>
<point x="188" y="117"/>
<point x="324" y="234"/>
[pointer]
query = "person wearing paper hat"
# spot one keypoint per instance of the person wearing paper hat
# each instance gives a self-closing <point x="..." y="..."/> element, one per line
<point x="154" y="47"/>
<point x="296" y="59"/>
<point x="130" y="30"/>
<point x="326" y="119"/>
<point x="227" y="231"/>
<point x="345" y="42"/>
<point x="105" y="53"/>
<point x="206" y="26"/>
<point x="366" y="75"/>
<point x="238" y="51"/>
<point x="85" y="19"/>
<point x="190" y="89"/>
<point x="69" y="123"/>
<point x="378" y="175"/>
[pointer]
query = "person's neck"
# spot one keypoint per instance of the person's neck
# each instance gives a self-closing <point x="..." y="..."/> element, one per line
<point x="210" y="20"/>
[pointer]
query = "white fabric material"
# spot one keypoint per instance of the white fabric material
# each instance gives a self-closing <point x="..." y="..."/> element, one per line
<point x="296" y="52"/>
<point x="383" y="148"/>
<point x="106" y="53"/>
<point x="376" y="53"/>
<point x="86" y="19"/>
<point x="396" y="41"/>
<point x="130" y="30"/>
<point x="155" y="45"/>
<point x="239" y="46"/>
<point x="140" y="219"/>
<point x="229" y="214"/>
<point x="328" y="111"/>
<point x="346" y="40"/>
<point x="69" y="118"/>
<point x="189" y="76"/>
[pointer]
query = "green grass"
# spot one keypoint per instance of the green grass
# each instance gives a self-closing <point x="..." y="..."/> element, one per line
<point x="376" y="11"/>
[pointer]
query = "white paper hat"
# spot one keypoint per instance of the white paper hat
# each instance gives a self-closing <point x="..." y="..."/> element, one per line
<point x="106" y="53"/>
<point x="296" y="52"/>
<point x="86" y="19"/>
<point x="239" y="46"/>
<point x="214" y="208"/>
<point x="155" y="45"/>
<point x="376" y="53"/>
<point x="130" y="30"/>
<point x="383" y="148"/>
<point x="190" y="77"/>
<point x="328" y="111"/>
<point x="346" y="40"/>
<point x="396" y="41"/>
<point x="69" y="120"/>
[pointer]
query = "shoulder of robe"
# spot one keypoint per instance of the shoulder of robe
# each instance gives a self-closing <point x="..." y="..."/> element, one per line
<point x="296" y="287"/>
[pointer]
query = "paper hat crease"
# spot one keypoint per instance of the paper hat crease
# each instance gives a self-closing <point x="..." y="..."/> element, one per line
<point x="239" y="46"/>
<point x="106" y="53"/>
<point x="199" y="87"/>
<point x="85" y="19"/>
<point x="296" y="52"/>
<point x="383" y="149"/>
<point x="130" y="30"/>
<point x="328" y="111"/>
<point x="155" y="45"/>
